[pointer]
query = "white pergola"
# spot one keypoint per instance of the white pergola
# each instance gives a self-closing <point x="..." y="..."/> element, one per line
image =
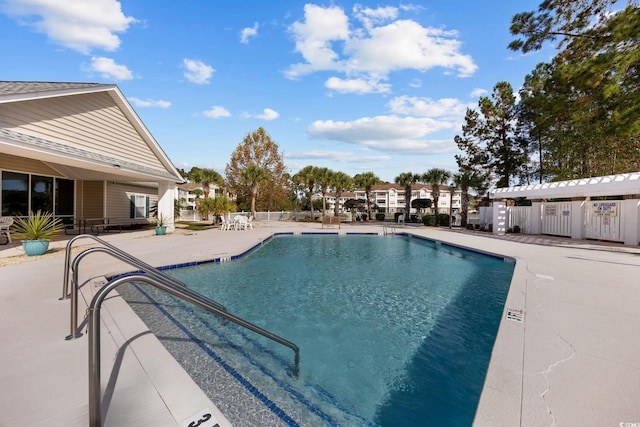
<point x="579" y="193"/>
<point x="625" y="184"/>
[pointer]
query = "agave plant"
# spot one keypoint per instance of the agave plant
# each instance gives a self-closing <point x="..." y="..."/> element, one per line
<point x="160" y="221"/>
<point x="37" y="226"/>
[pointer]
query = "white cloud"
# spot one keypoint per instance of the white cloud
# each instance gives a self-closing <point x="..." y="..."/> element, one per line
<point x="386" y="133"/>
<point x="359" y="86"/>
<point x="335" y="156"/>
<point x="267" y="114"/>
<point x="76" y="24"/>
<point x="329" y="41"/>
<point x="406" y="44"/>
<point x="371" y="17"/>
<point x="248" y="32"/>
<point x="314" y="36"/>
<point x="216" y="112"/>
<point x="426" y="107"/>
<point x="149" y="102"/>
<point x="477" y="93"/>
<point x="411" y="7"/>
<point x="109" y="69"/>
<point x="197" y="71"/>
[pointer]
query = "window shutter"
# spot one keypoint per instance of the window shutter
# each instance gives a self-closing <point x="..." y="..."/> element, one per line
<point x="146" y="207"/>
<point x="132" y="207"/>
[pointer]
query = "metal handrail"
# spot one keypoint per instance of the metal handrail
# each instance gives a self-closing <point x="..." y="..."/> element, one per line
<point x="149" y="269"/>
<point x="123" y="256"/>
<point x="184" y="293"/>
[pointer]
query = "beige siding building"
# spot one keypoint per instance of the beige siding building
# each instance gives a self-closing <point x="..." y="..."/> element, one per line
<point x="79" y="150"/>
<point x="391" y="198"/>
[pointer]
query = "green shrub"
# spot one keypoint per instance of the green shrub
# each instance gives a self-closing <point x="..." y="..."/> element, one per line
<point x="429" y="220"/>
<point x="443" y="219"/>
<point x="380" y="217"/>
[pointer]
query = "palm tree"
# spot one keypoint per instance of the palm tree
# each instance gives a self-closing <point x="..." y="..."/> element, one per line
<point x="205" y="177"/>
<point x="407" y="179"/>
<point x="367" y="180"/>
<point x="436" y="177"/>
<point x="254" y="175"/>
<point x="340" y="182"/>
<point x="466" y="180"/>
<point x="307" y="177"/>
<point x="324" y="178"/>
<point x="205" y="208"/>
<point x="218" y="206"/>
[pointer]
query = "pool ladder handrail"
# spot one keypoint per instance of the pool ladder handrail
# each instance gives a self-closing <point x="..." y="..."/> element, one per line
<point x="169" y="281"/>
<point x="186" y="294"/>
<point x="136" y="262"/>
<point x="156" y="278"/>
<point x="124" y="256"/>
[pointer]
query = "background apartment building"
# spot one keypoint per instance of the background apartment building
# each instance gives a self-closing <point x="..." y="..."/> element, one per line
<point x="390" y="198"/>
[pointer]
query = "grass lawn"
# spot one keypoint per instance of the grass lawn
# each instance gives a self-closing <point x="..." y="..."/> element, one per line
<point x="195" y="226"/>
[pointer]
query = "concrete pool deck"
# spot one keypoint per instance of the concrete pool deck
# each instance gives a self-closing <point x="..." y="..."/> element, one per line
<point x="571" y="360"/>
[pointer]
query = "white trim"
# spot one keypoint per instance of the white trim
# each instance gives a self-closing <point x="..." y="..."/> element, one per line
<point x="610" y="185"/>
<point x="55" y="93"/>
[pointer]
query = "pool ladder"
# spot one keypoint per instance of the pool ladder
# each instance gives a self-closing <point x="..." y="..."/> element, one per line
<point x="151" y="276"/>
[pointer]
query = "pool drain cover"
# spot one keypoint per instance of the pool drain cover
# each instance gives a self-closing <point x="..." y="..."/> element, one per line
<point x="515" y="315"/>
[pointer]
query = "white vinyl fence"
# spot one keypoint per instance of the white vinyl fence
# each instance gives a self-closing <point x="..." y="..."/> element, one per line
<point x="556" y="218"/>
<point x="519" y="216"/>
<point x="193" y="215"/>
<point x="604" y="221"/>
<point x="598" y="220"/>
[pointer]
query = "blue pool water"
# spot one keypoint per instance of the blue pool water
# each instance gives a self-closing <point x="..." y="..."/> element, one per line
<point x="393" y="331"/>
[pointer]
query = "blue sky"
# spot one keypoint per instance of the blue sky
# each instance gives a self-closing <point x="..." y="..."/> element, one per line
<point x="353" y="86"/>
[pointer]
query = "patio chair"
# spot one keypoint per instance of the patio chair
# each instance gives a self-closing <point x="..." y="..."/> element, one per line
<point x="5" y="226"/>
<point x="401" y="219"/>
<point x="224" y="225"/>
<point x="241" y="222"/>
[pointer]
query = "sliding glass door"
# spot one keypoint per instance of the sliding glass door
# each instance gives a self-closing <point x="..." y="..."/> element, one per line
<point x="23" y="192"/>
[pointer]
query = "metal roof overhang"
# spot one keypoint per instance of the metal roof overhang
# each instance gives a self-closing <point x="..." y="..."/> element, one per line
<point x="610" y="185"/>
<point x="77" y="163"/>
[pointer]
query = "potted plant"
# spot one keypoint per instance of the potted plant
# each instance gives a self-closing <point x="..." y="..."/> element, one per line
<point x="35" y="230"/>
<point x="161" y="228"/>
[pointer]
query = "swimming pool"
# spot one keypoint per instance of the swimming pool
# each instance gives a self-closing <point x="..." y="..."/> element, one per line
<point x="392" y="330"/>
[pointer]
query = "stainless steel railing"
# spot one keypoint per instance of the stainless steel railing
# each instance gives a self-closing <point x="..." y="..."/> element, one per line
<point x="184" y="293"/>
<point x="153" y="277"/>
<point x="124" y="256"/>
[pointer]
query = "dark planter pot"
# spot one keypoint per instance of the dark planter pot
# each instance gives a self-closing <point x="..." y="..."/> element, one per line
<point x="35" y="247"/>
<point x="161" y="230"/>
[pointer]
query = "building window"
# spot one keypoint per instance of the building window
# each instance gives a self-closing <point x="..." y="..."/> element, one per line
<point x="15" y="194"/>
<point x="64" y="197"/>
<point x="22" y="193"/>
<point x="41" y="193"/>
<point x="139" y="206"/>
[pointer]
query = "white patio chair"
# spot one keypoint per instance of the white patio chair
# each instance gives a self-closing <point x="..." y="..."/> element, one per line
<point x="5" y="226"/>
<point x="224" y="225"/>
<point x="250" y="222"/>
<point x="241" y="222"/>
<point x="401" y="219"/>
